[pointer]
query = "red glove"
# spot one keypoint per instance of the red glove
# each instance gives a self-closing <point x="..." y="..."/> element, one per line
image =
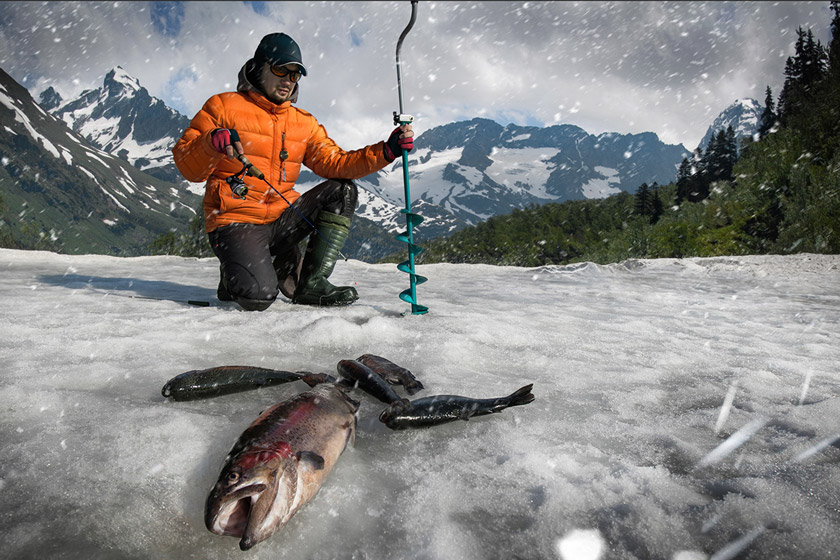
<point x="396" y="143"/>
<point x="221" y="138"/>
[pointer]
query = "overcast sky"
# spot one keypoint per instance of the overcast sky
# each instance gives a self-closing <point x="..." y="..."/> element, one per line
<point x="627" y="67"/>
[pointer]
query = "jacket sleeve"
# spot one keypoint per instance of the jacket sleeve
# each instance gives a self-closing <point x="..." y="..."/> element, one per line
<point x="194" y="155"/>
<point x="328" y="160"/>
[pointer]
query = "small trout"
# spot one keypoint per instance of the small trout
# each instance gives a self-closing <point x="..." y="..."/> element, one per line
<point x="440" y="409"/>
<point x="279" y="463"/>
<point x="224" y="380"/>
<point x="391" y="372"/>
<point x="367" y="380"/>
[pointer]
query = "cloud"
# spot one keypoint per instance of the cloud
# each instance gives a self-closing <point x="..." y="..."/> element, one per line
<point x="666" y="67"/>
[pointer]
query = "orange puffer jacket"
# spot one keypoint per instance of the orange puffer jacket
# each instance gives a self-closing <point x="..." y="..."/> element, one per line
<point x="265" y="129"/>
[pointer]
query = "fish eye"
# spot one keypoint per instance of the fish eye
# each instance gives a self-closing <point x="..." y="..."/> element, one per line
<point x="233" y="478"/>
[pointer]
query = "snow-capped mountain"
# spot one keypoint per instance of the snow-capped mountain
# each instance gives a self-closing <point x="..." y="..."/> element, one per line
<point x="472" y="170"/>
<point x="478" y="169"/>
<point x="743" y="116"/>
<point x="121" y="118"/>
<point x="74" y="196"/>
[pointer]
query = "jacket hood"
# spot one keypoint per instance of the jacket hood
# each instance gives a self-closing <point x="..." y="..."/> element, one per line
<point x="248" y="81"/>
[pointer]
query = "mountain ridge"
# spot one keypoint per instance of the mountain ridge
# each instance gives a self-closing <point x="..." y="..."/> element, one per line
<point x="67" y="195"/>
<point x="122" y="118"/>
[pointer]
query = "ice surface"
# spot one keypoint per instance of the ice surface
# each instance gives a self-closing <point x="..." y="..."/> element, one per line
<point x="631" y="363"/>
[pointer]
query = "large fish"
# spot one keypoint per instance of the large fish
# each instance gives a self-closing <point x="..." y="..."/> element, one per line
<point x="278" y="464"/>
<point x="391" y="372"/>
<point x="431" y="411"/>
<point x="224" y="380"/>
<point x="358" y="374"/>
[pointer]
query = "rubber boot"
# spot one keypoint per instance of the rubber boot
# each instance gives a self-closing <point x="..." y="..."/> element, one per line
<point x="319" y="262"/>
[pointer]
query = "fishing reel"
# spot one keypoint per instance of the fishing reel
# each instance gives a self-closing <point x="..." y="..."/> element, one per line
<point x="237" y="185"/>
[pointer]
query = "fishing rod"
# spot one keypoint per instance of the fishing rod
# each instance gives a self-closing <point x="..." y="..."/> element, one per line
<point x="240" y="189"/>
<point x="412" y="219"/>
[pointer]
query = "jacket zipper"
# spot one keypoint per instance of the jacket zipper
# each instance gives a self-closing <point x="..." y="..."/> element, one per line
<point x="283" y="155"/>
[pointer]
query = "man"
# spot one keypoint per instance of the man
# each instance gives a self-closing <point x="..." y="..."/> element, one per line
<point x="252" y="230"/>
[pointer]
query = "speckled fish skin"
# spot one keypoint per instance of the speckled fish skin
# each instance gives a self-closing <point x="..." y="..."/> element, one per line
<point x="367" y="380"/>
<point x="279" y="463"/>
<point x="440" y="409"/>
<point x="391" y="372"/>
<point x="225" y="380"/>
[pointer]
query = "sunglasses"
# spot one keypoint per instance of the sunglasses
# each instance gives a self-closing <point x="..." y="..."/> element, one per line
<point x="285" y="72"/>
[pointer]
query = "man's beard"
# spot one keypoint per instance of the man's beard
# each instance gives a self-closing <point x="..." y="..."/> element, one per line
<point x="277" y="97"/>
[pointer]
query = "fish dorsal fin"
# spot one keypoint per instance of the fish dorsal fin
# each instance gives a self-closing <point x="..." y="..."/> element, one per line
<point x="312" y="459"/>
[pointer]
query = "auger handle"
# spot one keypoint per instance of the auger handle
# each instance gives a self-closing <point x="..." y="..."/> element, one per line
<point x="399" y="46"/>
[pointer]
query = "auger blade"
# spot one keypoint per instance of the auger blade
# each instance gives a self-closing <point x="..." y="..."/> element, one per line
<point x="412" y="219"/>
<point x="414" y="249"/>
<point x="405" y="266"/>
<point x="415" y="278"/>
<point x="406" y="296"/>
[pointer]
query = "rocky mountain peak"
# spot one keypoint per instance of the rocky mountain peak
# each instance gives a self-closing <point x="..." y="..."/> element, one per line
<point x="119" y="81"/>
<point x="50" y="99"/>
<point x="743" y="116"/>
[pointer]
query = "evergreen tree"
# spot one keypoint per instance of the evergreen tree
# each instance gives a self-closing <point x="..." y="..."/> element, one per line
<point x="731" y="151"/>
<point x="834" y="46"/>
<point x="712" y="161"/>
<point x="643" y="200"/>
<point x="828" y="132"/>
<point x="699" y="173"/>
<point x="768" y="116"/>
<point x="803" y="72"/>
<point x="684" y="181"/>
<point x="720" y="156"/>
<point x="648" y="202"/>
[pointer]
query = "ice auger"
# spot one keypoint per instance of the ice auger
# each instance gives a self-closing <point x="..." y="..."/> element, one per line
<point x="412" y="220"/>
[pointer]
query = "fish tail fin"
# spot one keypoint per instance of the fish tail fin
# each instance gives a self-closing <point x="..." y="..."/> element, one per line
<point x="521" y="396"/>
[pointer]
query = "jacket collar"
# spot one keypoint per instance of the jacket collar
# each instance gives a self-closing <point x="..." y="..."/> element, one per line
<point x="247" y="86"/>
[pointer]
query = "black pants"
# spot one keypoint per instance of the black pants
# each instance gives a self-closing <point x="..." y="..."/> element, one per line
<point x="259" y="260"/>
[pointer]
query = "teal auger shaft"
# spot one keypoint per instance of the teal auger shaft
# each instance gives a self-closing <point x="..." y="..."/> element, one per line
<point x="412" y="220"/>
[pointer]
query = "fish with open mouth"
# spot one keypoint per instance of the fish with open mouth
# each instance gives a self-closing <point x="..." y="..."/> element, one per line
<point x="440" y="409"/>
<point x="224" y="380"/>
<point x="279" y="463"/>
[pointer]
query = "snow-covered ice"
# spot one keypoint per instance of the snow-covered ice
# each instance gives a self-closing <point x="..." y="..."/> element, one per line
<point x="685" y="409"/>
